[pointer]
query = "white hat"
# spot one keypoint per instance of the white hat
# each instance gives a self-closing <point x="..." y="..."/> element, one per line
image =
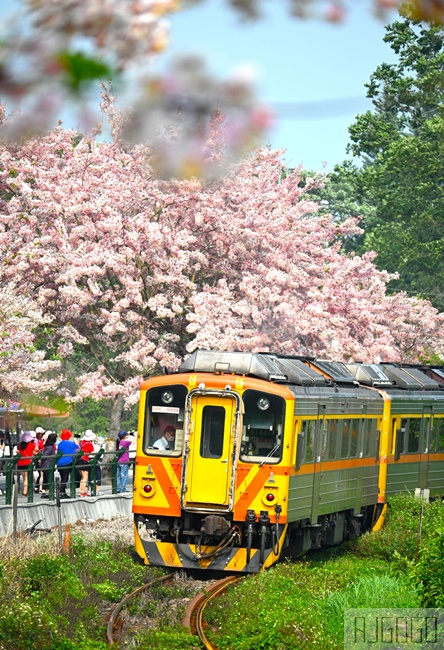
<point x="39" y="430"/>
<point x="89" y="435"/>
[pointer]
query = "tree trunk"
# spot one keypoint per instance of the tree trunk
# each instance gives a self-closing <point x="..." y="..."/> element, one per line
<point x="116" y="417"/>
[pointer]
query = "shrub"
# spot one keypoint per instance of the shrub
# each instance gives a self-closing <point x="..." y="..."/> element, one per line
<point x="162" y="640"/>
<point x="399" y="534"/>
<point x="42" y="573"/>
<point x="428" y="571"/>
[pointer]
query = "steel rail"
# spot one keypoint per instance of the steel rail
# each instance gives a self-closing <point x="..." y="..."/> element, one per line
<point x="194" y="617"/>
<point x="128" y="597"/>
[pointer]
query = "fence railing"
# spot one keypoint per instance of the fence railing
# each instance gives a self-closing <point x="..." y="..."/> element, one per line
<point x="102" y="470"/>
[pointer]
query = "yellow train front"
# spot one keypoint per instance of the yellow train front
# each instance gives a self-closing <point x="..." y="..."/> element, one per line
<point x="226" y="493"/>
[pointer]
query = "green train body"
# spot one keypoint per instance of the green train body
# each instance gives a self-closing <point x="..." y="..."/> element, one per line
<point x="276" y="455"/>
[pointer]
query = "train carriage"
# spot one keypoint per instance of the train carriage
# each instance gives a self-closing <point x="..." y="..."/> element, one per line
<point x="276" y="455"/>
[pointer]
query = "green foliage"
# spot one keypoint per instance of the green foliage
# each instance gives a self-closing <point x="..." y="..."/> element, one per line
<point x="41" y="572"/>
<point x="399" y="536"/>
<point x="49" y="603"/>
<point x="80" y="70"/>
<point x="90" y="414"/>
<point x="400" y="566"/>
<point x="428" y="572"/>
<point x="371" y="591"/>
<point x="162" y="640"/>
<point x="106" y="560"/>
<point x="291" y="605"/>
<point x="108" y="590"/>
<point x="64" y="643"/>
<point x="341" y="197"/>
<point x="95" y="415"/>
<point x="400" y="144"/>
<point x="413" y="540"/>
<point x="26" y="625"/>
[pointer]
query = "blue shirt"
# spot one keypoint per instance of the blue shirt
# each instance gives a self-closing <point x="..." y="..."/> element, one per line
<point x="67" y="447"/>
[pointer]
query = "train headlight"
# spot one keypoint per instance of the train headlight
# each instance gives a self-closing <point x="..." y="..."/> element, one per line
<point x="167" y="397"/>
<point x="148" y="489"/>
<point x="269" y="496"/>
<point x="263" y="403"/>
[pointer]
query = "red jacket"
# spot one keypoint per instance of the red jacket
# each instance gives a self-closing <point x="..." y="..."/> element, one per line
<point x="26" y="454"/>
<point x="86" y="446"/>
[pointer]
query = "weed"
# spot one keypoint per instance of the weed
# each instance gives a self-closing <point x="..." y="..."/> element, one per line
<point x="108" y="590"/>
<point x="163" y="640"/>
<point x="49" y="603"/>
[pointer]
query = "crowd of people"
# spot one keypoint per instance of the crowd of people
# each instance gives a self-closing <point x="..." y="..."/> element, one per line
<point x="46" y="445"/>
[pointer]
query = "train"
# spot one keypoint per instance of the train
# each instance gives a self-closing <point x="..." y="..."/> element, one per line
<point x="245" y="458"/>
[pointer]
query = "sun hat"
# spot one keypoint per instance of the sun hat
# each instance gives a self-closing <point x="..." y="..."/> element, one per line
<point x="33" y="434"/>
<point x="26" y="437"/>
<point x="39" y="430"/>
<point x="66" y="434"/>
<point x="89" y="435"/>
<point x="122" y="434"/>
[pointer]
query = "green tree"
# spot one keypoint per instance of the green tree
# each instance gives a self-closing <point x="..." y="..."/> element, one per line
<point x="342" y="197"/>
<point x="400" y="144"/>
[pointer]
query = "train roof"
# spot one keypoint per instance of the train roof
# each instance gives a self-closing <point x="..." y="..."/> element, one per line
<point x="271" y="367"/>
<point x="307" y="371"/>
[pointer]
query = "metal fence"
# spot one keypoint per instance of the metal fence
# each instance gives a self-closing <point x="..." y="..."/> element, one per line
<point x="102" y="471"/>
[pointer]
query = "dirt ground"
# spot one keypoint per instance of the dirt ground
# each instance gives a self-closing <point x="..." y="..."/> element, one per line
<point x="121" y="528"/>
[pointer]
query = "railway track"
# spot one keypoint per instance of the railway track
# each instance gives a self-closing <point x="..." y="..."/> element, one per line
<point x="113" y="619"/>
<point x="194" y="615"/>
<point x="195" y="610"/>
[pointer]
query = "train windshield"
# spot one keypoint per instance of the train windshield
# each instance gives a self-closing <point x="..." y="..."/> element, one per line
<point x="164" y="418"/>
<point x="262" y="427"/>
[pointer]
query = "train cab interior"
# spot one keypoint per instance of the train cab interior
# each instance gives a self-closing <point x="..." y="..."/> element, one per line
<point x="262" y="427"/>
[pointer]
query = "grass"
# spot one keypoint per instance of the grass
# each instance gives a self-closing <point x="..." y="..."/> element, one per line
<point x="301" y="605"/>
<point x="53" y="601"/>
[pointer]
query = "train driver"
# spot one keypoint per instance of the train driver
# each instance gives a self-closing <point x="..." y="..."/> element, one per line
<point x="166" y="442"/>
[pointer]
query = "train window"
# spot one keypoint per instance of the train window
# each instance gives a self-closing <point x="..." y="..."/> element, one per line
<point x="212" y="438"/>
<point x="433" y="434"/>
<point x="263" y="426"/>
<point x="426" y="441"/>
<point x="399" y="434"/>
<point x="414" y="426"/>
<point x="308" y="432"/>
<point x="370" y="437"/>
<point x="346" y="433"/>
<point x="440" y="433"/>
<point x="310" y="448"/>
<point x="332" y="438"/>
<point x="354" y="438"/>
<point x="164" y="409"/>
<point x="323" y="432"/>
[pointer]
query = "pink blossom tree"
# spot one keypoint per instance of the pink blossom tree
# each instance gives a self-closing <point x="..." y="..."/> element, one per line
<point x="136" y="271"/>
<point x="280" y="282"/>
<point x="23" y="368"/>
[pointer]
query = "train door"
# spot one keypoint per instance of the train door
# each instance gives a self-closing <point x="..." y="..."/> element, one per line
<point x="411" y="467"/>
<point x="357" y="450"/>
<point x="208" y="471"/>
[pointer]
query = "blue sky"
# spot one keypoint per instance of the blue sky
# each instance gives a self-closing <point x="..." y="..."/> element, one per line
<point x="311" y="71"/>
